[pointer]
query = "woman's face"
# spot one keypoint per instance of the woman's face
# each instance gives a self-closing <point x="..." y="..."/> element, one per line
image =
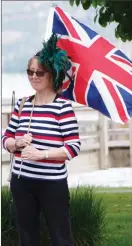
<point x="39" y="83"/>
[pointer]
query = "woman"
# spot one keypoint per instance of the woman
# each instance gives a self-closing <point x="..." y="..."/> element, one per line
<point x="45" y="136"/>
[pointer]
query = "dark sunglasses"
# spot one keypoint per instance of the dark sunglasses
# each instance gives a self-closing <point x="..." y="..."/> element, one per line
<point x="38" y="73"/>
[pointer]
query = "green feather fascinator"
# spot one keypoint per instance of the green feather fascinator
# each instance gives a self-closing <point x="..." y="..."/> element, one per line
<point x="55" y="60"/>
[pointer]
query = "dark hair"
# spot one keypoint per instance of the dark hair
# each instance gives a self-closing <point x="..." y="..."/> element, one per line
<point x="60" y="80"/>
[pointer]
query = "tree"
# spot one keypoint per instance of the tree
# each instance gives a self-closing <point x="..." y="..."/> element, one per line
<point x="109" y="11"/>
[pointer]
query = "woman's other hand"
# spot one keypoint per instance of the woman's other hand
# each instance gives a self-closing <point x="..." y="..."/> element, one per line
<point x="24" y="141"/>
<point x="31" y="153"/>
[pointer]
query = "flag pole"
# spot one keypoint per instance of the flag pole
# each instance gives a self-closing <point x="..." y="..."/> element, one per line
<point x="54" y="5"/>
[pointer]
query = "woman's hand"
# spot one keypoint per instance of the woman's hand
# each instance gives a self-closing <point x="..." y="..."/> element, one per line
<point x="31" y="153"/>
<point x="23" y="141"/>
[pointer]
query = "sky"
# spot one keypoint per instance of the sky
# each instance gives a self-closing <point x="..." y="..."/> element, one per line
<point x="24" y="25"/>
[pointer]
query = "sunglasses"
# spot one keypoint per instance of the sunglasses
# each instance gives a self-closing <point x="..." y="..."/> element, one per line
<point x="38" y="73"/>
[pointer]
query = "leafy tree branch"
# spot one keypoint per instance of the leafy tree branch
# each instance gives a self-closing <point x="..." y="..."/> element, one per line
<point x="109" y="11"/>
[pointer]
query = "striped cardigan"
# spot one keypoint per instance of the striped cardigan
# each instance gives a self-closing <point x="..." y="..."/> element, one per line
<point x="53" y="125"/>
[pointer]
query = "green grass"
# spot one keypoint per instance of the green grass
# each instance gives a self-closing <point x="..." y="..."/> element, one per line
<point x="87" y="217"/>
<point x="112" y="189"/>
<point x="119" y="217"/>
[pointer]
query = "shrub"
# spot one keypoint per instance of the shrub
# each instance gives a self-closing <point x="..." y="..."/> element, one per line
<point x="87" y="213"/>
<point x="9" y="235"/>
<point x="88" y="217"/>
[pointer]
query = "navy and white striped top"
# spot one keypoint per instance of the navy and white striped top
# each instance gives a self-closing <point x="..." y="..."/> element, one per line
<point x="52" y="125"/>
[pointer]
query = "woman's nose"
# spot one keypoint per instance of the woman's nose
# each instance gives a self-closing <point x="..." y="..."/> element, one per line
<point x="34" y="75"/>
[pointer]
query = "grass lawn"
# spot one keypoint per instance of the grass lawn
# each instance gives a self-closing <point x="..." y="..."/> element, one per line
<point x="85" y="211"/>
<point x="118" y="203"/>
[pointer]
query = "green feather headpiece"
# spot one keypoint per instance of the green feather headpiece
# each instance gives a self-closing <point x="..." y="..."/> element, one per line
<point x="55" y="60"/>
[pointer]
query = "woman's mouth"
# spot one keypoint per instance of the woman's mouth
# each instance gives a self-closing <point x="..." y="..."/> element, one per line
<point x="36" y="82"/>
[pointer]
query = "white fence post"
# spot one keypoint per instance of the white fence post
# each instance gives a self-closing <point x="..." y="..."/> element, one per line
<point x="104" y="149"/>
<point x="130" y="127"/>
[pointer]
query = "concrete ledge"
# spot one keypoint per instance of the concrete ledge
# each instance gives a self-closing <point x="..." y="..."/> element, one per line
<point x="5" y="156"/>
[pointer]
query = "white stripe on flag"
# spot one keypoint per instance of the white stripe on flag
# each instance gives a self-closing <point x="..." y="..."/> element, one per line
<point x="49" y="25"/>
<point x="106" y="96"/>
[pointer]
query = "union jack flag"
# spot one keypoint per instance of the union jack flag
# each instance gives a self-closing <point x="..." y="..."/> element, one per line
<point x="102" y="74"/>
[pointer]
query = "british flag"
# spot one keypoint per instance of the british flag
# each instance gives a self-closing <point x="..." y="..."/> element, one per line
<point x="102" y="74"/>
